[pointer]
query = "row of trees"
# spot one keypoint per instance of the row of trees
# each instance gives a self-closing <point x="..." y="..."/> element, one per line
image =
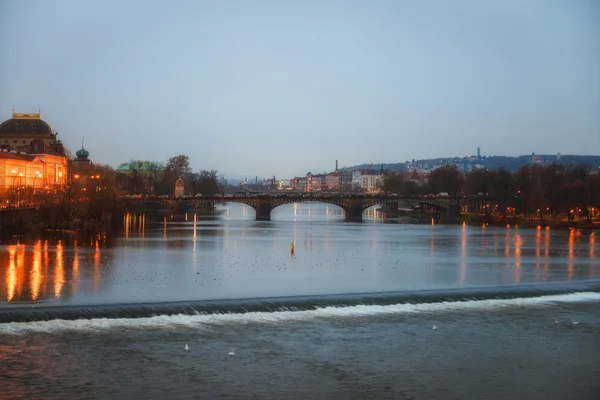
<point x="159" y="179"/>
<point x="532" y="190"/>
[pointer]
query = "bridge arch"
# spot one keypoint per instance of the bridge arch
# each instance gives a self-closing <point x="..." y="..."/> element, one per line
<point x="238" y="209"/>
<point x="372" y="208"/>
<point x="263" y="206"/>
<point x="311" y="210"/>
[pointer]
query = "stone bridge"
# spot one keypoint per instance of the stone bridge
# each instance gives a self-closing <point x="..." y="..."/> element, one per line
<point x="353" y="204"/>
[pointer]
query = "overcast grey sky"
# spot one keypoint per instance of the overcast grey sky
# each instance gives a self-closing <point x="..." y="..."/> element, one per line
<point x="284" y="87"/>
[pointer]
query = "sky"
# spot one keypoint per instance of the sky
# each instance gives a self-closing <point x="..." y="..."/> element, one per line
<point x="270" y="87"/>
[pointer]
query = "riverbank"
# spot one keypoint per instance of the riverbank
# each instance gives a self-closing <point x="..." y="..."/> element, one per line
<point x="418" y="217"/>
<point x="78" y="217"/>
<point x="553" y="223"/>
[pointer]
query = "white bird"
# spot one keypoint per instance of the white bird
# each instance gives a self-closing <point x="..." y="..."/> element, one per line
<point x="575" y="322"/>
<point x="434" y="328"/>
<point x="231" y="353"/>
<point x="186" y="347"/>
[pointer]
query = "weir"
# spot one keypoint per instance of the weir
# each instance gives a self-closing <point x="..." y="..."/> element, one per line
<point x="29" y="313"/>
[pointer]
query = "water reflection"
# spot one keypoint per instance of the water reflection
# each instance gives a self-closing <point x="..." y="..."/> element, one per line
<point x="136" y="224"/>
<point x="75" y="268"/>
<point x="38" y="271"/>
<point x="463" y="254"/>
<point x="518" y="257"/>
<point x="592" y="253"/>
<point x="546" y="254"/>
<point x="162" y="257"/>
<point x="11" y="273"/>
<point x="571" y="247"/>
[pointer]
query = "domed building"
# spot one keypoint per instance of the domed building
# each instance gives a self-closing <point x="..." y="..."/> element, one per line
<point x="81" y="162"/>
<point x="81" y="165"/>
<point x="30" y="153"/>
<point x="81" y="156"/>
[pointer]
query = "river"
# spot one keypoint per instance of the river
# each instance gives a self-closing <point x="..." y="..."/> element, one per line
<point x="359" y="310"/>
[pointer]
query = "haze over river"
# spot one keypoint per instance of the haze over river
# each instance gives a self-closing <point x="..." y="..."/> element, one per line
<point x="350" y="314"/>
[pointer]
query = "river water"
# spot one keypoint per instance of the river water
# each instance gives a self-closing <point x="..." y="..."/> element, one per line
<point x="359" y="310"/>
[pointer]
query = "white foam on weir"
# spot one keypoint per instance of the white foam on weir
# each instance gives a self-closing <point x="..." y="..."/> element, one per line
<point x="206" y="320"/>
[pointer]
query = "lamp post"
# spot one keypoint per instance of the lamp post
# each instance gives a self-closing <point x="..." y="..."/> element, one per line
<point x="96" y="185"/>
<point x="16" y="173"/>
<point x="18" y="189"/>
<point x="38" y="174"/>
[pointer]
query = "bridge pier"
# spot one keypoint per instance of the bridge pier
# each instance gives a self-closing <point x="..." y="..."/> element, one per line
<point x="263" y="211"/>
<point x="354" y="213"/>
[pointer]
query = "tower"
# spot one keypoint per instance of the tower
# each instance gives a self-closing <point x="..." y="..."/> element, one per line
<point x="478" y="152"/>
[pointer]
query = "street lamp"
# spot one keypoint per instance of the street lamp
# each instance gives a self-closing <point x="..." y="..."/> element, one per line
<point x="16" y="172"/>
<point x="38" y="174"/>
<point x="17" y="175"/>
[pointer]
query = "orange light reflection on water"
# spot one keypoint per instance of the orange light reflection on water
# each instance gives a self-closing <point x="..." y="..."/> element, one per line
<point x="97" y="266"/>
<point x="20" y="270"/>
<point x="127" y="222"/>
<point x="59" y="270"/>
<point x="11" y="273"/>
<point x="75" y="269"/>
<point x="33" y="273"/>
<point x="35" y="276"/>
<point x="518" y="257"/>
<point x="571" y="253"/>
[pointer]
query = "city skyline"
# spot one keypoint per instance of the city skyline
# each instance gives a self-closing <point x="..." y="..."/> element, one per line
<point x="272" y="88"/>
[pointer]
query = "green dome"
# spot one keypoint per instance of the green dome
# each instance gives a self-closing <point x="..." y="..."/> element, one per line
<point x="82" y="153"/>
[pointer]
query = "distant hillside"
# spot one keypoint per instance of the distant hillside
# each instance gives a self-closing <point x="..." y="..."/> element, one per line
<point x="393" y="166"/>
<point x="492" y="162"/>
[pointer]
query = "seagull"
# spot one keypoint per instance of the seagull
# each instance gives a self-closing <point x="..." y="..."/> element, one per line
<point x="186" y="347"/>
<point x="434" y="328"/>
<point x="231" y="353"/>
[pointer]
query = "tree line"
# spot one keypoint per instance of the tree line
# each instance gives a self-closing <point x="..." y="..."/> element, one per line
<point x="159" y="179"/>
<point x="532" y="190"/>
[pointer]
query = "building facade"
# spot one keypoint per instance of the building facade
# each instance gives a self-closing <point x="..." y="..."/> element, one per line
<point x="371" y="182"/>
<point x="30" y="154"/>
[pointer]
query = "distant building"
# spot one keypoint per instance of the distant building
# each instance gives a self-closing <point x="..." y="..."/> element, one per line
<point x="81" y="164"/>
<point x="81" y="156"/>
<point x="284" y="184"/>
<point x="179" y="188"/>
<point x="141" y="166"/>
<point x="370" y="182"/>
<point x="333" y="181"/>
<point x="83" y="172"/>
<point x="346" y="180"/>
<point x="316" y="185"/>
<point x="356" y="179"/>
